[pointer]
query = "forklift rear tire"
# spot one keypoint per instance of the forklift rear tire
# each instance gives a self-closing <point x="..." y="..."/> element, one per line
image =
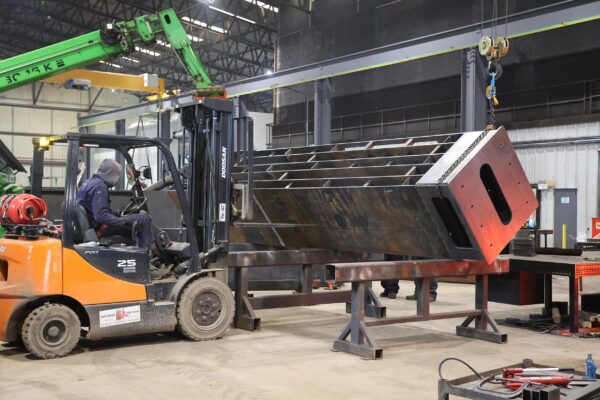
<point x="51" y="331"/>
<point x="205" y="309"/>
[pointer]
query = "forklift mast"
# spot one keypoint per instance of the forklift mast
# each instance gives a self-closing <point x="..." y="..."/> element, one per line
<point x="112" y="40"/>
<point x="209" y="129"/>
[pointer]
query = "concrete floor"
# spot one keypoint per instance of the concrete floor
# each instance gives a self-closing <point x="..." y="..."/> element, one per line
<point x="290" y="358"/>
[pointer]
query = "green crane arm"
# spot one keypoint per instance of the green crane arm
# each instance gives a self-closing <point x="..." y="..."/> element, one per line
<point x="112" y="40"/>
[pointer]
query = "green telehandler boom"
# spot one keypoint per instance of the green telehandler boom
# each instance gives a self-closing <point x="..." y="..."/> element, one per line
<point x="112" y="40"/>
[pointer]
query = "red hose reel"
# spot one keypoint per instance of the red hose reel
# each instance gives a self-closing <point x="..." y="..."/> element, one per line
<point x="22" y="209"/>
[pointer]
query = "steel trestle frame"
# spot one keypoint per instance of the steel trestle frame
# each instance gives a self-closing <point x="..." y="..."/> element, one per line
<point x="356" y="339"/>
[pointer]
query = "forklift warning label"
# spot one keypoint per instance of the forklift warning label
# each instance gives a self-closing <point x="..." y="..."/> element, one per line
<point x="222" y="212"/>
<point x="119" y="316"/>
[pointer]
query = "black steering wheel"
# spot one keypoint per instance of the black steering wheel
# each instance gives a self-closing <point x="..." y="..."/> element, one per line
<point x="134" y="206"/>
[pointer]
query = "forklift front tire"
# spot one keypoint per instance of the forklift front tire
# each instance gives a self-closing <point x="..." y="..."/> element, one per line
<point x="51" y="331"/>
<point x="205" y="309"/>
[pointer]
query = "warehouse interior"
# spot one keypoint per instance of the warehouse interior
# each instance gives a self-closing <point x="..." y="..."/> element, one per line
<point x="299" y="198"/>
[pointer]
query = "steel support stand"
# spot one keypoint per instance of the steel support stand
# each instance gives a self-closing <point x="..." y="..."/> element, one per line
<point x="483" y="319"/>
<point x="373" y="307"/>
<point x="245" y="317"/>
<point x="322" y="105"/>
<point x="355" y="338"/>
<point x="246" y="304"/>
<point x="548" y="292"/>
<point x="360" y="342"/>
<point x="574" y="303"/>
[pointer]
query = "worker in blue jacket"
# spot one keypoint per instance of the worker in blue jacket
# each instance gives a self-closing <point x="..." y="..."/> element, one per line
<point x="94" y="196"/>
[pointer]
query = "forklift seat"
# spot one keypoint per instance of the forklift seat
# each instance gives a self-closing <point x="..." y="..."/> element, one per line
<point x="84" y="232"/>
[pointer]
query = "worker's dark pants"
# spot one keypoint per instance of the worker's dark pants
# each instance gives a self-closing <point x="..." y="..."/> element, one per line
<point x="393" y="287"/>
<point x="433" y="285"/>
<point x="144" y="235"/>
<point x="390" y="286"/>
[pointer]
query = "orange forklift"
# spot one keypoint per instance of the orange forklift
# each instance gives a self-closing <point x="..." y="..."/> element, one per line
<point x="60" y="282"/>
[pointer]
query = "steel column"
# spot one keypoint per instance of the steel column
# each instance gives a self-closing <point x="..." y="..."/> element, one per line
<point x="472" y="92"/>
<point x="120" y="130"/>
<point x="37" y="171"/>
<point x="322" y="105"/>
<point x="164" y="133"/>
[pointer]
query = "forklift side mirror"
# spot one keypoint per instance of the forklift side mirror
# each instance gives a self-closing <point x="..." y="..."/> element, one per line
<point x="147" y="173"/>
<point x="186" y="171"/>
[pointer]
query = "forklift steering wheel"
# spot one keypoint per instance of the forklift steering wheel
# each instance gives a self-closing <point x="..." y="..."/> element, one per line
<point x="134" y="206"/>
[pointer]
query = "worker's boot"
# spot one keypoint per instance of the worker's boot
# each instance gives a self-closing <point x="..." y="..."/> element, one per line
<point x="432" y="297"/>
<point x="389" y="295"/>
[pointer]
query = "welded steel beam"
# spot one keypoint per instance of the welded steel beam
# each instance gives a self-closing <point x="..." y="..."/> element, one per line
<point x="413" y="269"/>
<point x="141" y="109"/>
<point x="452" y="196"/>
<point x="521" y="24"/>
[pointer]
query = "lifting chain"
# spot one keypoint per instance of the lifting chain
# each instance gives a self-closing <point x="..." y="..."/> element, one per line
<point x="490" y="93"/>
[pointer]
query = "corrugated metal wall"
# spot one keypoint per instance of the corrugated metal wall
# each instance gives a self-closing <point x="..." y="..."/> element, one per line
<point x="570" y="165"/>
<point x="19" y="124"/>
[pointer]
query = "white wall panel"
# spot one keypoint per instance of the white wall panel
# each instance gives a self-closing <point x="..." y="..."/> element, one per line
<point x="37" y="121"/>
<point x="32" y="121"/>
<point x="260" y="128"/>
<point x="63" y="122"/>
<point x="571" y="166"/>
<point x="6" y="119"/>
<point x="21" y="147"/>
<point x="55" y="94"/>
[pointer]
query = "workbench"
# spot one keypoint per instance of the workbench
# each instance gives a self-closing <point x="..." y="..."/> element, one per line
<point x="574" y="267"/>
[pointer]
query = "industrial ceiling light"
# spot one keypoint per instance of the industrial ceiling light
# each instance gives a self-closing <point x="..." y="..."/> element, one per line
<point x="204" y="25"/>
<point x="111" y="64"/>
<point x="264" y="5"/>
<point x="222" y="11"/>
<point x="149" y="52"/>
<point x="232" y="14"/>
<point x="130" y="59"/>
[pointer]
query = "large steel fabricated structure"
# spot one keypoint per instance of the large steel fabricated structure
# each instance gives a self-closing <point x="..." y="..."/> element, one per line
<point x="453" y="196"/>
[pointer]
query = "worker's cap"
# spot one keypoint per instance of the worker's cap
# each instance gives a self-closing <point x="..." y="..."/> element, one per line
<point x="110" y="171"/>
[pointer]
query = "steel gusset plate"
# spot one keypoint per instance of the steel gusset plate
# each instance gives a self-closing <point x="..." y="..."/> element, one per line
<point x="456" y="196"/>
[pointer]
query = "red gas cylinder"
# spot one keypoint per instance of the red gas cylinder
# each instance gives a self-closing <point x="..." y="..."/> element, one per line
<point x="22" y="209"/>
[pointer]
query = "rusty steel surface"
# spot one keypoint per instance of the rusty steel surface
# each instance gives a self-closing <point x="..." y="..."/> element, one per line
<point x="417" y="269"/>
<point x="261" y="258"/>
<point x="452" y="196"/>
